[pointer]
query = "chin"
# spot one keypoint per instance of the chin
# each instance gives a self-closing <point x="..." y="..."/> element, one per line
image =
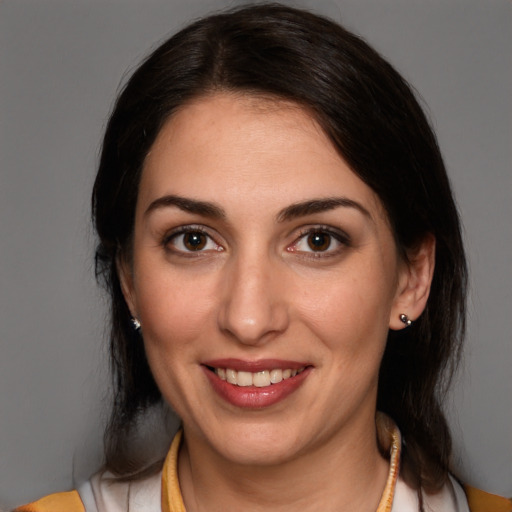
<point x="258" y="445"/>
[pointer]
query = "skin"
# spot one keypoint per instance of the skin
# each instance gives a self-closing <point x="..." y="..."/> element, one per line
<point x="258" y="290"/>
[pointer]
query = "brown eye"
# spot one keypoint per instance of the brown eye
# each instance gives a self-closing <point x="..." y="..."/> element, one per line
<point x="194" y="241"/>
<point x="319" y="241"/>
<point x="189" y="239"/>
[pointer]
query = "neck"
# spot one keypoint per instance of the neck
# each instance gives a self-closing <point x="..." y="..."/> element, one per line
<point x="343" y="473"/>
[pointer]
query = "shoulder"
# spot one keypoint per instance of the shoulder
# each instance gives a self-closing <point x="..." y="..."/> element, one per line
<point x="480" y="501"/>
<point x="106" y="493"/>
<point x="451" y="498"/>
<point x="103" y="493"/>
<point x="60" y="502"/>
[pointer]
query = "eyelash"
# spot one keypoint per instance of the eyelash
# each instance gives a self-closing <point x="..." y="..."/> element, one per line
<point x="182" y="231"/>
<point x="335" y="236"/>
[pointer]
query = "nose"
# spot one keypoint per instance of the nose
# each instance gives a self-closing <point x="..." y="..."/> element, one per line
<point x="253" y="308"/>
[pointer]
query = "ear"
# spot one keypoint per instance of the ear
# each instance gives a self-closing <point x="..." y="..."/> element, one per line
<point x="125" y="274"/>
<point x="414" y="280"/>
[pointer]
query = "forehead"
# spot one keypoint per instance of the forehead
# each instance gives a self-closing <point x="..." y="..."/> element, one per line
<point x="234" y="122"/>
<point x="263" y="150"/>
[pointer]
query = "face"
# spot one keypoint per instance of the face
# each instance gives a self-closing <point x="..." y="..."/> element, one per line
<point x="264" y="274"/>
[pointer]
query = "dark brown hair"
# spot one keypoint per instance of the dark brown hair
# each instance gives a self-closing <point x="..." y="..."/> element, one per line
<point x="373" y="119"/>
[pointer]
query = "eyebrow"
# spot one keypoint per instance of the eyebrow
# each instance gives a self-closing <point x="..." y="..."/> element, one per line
<point x="319" y="205"/>
<point x="203" y="208"/>
<point x="301" y="209"/>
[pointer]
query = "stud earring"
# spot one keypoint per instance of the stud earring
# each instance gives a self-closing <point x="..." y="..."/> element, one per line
<point x="136" y="324"/>
<point x="405" y="320"/>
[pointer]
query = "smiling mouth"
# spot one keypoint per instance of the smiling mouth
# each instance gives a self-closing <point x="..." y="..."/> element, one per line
<point x="257" y="384"/>
<point x="258" y="379"/>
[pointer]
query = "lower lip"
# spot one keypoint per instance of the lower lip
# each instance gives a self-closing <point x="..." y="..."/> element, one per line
<point x="252" y="397"/>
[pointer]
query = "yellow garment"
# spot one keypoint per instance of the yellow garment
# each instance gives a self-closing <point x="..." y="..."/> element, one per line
<point x="480" y="501"/>
<point x="60" y="502"/>
<point x="390" y="440"/>
<point x="171" y="492"/>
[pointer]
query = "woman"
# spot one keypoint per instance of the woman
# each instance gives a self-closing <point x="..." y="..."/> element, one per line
<point x="283" y="254"/>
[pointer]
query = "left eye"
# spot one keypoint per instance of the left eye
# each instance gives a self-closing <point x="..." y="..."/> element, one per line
<point x="317" y="241"/>
<point x="192" y="241"/>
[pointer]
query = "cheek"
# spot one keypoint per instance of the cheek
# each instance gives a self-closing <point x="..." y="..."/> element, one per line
<point x="350" y="312"/>
<point x="173" y="313"/>
<point x="174" y="320"/>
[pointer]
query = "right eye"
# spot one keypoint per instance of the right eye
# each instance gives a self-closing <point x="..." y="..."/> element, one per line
<point x="191" y="240"/>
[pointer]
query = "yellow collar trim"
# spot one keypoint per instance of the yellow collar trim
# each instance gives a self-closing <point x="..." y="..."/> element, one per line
<point x="390" y="440"/>
<point x="171" y="492"/>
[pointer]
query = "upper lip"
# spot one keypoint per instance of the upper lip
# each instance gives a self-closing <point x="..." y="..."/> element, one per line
<point x="255" y="366"/>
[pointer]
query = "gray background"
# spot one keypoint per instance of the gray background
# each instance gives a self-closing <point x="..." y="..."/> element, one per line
<point x="60" y="66"/>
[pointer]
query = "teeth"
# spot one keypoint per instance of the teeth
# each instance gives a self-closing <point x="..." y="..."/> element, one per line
<point x="258" y="379"/>
<point x="276" y="376"/>
<point x="244" y="379"/>
<point x="261" y="379"/>
<point x="231" y="376"/>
